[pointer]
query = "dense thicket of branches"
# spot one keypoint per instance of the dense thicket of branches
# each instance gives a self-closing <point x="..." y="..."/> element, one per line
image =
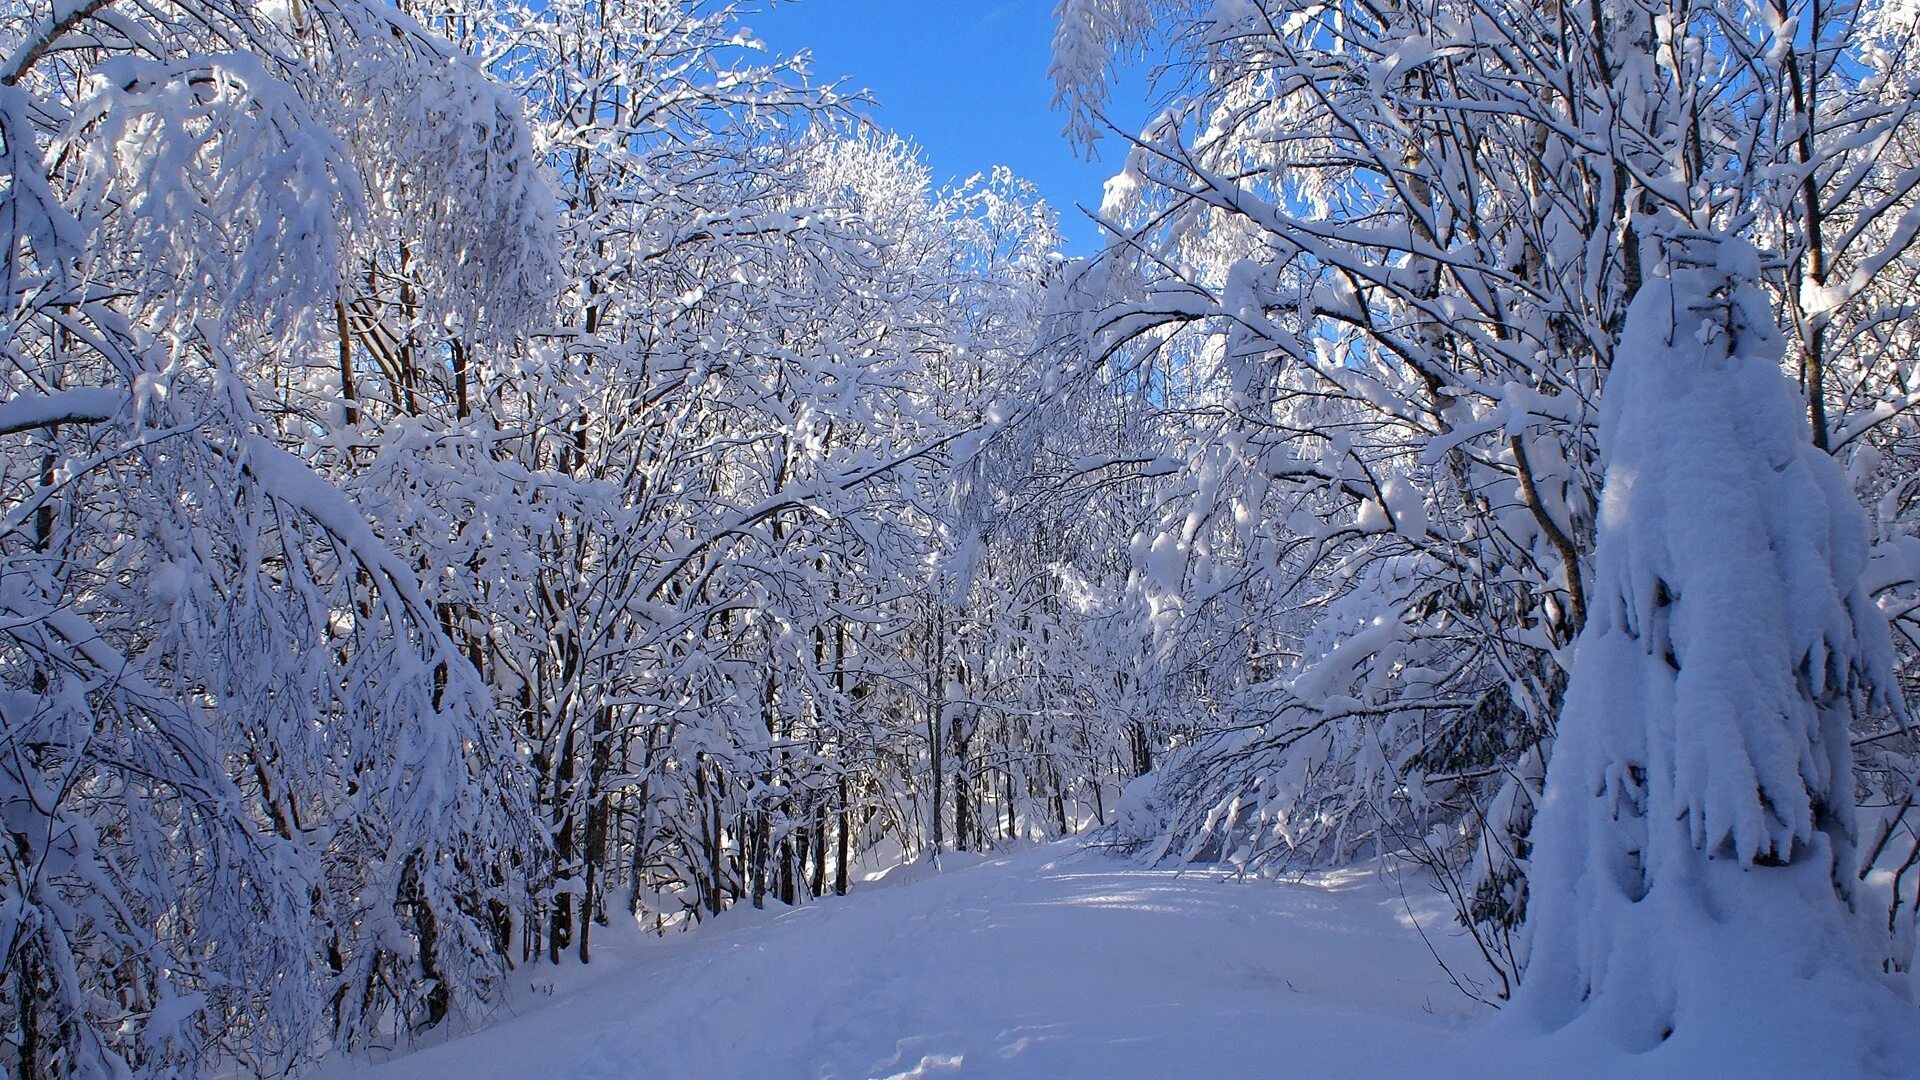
<point x="470" y="473"/>
<point x="474" y="473"/>
<point x="1371" y="270"/>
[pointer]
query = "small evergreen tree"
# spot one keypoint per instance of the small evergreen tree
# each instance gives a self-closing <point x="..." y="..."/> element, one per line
<point x="1697" y="835"/>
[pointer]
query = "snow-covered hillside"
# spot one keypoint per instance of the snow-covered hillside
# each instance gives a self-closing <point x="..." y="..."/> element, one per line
<point x="1057" y="963"/>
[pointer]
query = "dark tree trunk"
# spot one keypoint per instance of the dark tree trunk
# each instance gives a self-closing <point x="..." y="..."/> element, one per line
<point x="1142" y="748"/>
<point x="427" y="936"/>
<point x="845" y="852"/>
<point x="963" y="827"/>
<point x="560" y="929"/>
<point x="789" y="874"/>
<point x="600" y="764"/>
<point x="348" y="392"/>
<point x="1013" y="828"/>
<point x="29" y="992"/>
<point x="818" y="884"/>
<point x="936" y="738"/>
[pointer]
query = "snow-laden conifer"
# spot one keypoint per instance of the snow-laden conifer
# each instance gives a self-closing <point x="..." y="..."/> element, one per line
<point x="1694" y="859"/>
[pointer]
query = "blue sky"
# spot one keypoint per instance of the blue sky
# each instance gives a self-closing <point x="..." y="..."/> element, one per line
<point x="966" y="79"/>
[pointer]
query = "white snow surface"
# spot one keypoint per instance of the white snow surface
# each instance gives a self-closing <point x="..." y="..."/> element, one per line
<point x="1056" y="963"/>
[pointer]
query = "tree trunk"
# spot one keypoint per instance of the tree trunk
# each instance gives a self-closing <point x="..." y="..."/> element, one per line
<point x="846" y="843"/>
<point x="560" y="928"/>
<point x="600" y="763"/>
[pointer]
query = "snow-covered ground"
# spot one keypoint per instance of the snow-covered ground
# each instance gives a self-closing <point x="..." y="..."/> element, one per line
<point x="1056" y="963"/>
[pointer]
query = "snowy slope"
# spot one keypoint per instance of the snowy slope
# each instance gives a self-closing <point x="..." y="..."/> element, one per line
<point x="1052" y="964"/>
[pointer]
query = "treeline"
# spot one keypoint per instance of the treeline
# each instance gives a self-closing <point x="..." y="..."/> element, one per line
<point x="473" y="473"/>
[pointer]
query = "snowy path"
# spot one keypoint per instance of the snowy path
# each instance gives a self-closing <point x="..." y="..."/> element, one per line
<point x="1052" y="964"/>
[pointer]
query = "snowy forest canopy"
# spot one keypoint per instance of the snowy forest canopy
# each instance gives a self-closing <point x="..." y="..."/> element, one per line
<point x="470" y="472"/>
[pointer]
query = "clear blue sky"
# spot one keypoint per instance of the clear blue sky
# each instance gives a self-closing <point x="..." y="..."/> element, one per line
<point x="965" y="79"/>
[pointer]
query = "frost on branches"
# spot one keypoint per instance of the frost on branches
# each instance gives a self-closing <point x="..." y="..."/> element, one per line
<point x="1367" y="278"/>
<point x="1695" y="849"/>
<point x="255" y="802"/>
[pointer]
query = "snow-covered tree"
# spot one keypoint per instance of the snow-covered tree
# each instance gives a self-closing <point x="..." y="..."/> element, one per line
<point x="1374" y="263"/>
<point x="1698" y="836"/>
<point x="254" y="798"/>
